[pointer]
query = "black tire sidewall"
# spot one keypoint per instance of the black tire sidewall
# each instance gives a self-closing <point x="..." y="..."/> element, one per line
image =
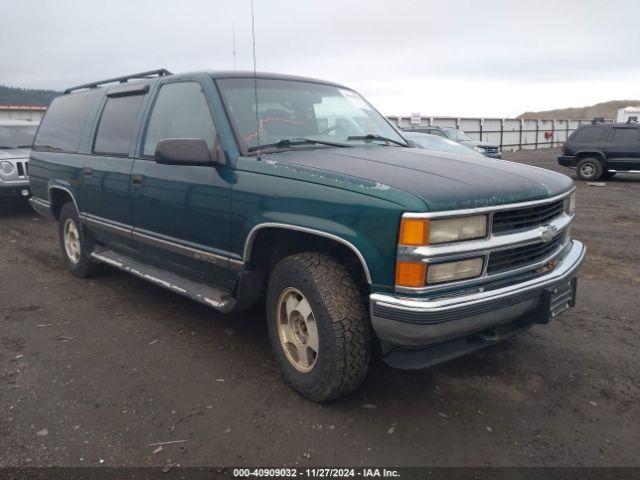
<point x="290" y="273"/>
<point x="598" y="169"/>
<point x="83" y="267"/>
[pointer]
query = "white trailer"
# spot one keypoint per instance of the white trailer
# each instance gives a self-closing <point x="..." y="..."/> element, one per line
<point x="628" y="113"/>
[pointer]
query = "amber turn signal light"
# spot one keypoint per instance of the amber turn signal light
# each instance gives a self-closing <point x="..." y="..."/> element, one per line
<point x="410" y="274"/>
<point x="414" y="231"/>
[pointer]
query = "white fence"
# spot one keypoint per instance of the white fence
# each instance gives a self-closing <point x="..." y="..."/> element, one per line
<point x="508" y="133"/>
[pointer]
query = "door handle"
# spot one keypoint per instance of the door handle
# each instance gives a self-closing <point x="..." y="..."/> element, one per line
<point x="136" y="179"/>
<point x="87" y="172"/>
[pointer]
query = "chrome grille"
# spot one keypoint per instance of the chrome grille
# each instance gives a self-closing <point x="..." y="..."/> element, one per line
<point x="530" y="217"/>
<point x="512" y="258"/>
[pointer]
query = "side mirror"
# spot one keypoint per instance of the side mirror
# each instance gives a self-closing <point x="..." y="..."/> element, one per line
<point x="186" y="151"/>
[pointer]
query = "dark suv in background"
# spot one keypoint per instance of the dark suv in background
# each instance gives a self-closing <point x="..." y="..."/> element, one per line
<point x="457" y="135"/>
<point x="602" y="150"/>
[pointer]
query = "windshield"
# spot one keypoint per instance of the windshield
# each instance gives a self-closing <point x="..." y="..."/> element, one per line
<point x="290" y="109"/>
<point x="441" y="144"/>
<point x="13" y="136"/>
<point x="457" y="135"/>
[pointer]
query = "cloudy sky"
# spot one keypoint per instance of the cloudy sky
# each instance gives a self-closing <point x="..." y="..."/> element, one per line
<point x="453" y="57"/>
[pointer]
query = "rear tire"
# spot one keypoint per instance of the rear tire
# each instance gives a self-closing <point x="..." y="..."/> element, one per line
<point x="589" y="169"/>
<point x="74" y="244"/>
<point x="318" y="326"/>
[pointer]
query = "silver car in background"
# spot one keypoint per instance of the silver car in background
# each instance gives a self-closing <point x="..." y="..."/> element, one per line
<point x="16" y="137"/>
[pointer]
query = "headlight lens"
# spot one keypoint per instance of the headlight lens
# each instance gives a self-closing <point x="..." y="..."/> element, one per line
<point x="571" y="203"/>
<point x="6" y="168"/>
<point x="479" y="149"/>
<point x="451" y="271"/>
<point x="420" y="231"/>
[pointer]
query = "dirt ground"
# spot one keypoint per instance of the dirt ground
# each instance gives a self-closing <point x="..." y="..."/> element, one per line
<point x="95" y="372"/>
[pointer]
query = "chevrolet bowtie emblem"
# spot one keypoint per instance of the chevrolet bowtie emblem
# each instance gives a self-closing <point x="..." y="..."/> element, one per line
<point x="548" y="233"/>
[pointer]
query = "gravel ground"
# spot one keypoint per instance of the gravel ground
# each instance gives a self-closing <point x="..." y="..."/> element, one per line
<point x="95" y="372"/>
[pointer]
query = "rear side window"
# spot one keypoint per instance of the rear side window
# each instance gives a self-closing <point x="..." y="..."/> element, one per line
<point x="117" y="125"/>
<point x="588" y="134"/>
<point x="61" y="128"/>
<point x="623" y="135"/>
<point x="180" y="111"/>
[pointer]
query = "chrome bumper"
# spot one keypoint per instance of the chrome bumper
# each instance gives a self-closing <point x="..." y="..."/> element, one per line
<point x="423" y="321"/>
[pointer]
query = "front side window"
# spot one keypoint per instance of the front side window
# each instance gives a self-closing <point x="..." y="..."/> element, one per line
<point x="587" y="134"/>
<point x="15" y="136"/>
<point x="116" y="128"/>
<point x="181" y="111"/>
<point x="290" y="109"/>
<point x="623" y="135"/>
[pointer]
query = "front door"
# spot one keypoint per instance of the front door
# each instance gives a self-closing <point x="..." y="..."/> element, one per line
<point x="181" y="212"/>
<point x="622" y="148"/>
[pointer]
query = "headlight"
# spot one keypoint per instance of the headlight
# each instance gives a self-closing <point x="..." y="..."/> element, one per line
<point x="570" y="203"/>
<point x="479" y="149"/>
<point x="419" y="231"/>
<point x="451" y="271"/>
<point x="6" y="168"/>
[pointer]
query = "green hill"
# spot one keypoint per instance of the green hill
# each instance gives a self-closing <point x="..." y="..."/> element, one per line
<point x="25" y="96"/>
<point x="605" y="109"/>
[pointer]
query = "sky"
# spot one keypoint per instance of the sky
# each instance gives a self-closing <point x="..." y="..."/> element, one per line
<point x="455" y="58"/>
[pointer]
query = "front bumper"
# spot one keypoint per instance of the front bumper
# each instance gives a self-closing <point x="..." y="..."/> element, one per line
<point x="15" y="189"/>
<point x="567" y="160"/>
<point x="423" y="322"/>
<point x="497" y="155"/>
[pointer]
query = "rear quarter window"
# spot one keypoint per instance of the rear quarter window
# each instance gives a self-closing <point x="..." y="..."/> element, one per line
<point x="61" y="128"/>
<point x="588" y="134"/>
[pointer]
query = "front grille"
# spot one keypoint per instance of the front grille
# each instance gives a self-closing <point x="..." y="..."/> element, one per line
<point x="491" y="149"/>
<point x="510" y="220"/>
<point x="512" y="258"/>
<point x="21" y="169"/>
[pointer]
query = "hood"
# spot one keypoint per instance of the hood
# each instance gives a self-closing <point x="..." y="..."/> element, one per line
<point x="443" y="182"/>
<point x="14" y="153"/>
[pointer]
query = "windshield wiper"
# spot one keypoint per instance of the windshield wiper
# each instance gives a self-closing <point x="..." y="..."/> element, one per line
<point x="293" y="142"/>
<point x="371" y="136"/>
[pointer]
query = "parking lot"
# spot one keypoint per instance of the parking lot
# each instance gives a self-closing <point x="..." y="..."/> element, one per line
<point x="102" y="371"/>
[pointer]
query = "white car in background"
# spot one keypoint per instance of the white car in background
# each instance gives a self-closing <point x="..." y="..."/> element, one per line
<point x="16" y="137"/>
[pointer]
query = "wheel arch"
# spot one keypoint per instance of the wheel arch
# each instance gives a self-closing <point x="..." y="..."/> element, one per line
<point x="280" y="239"/>
<point x="591" y="153"/>
<point x="58" y="196"/>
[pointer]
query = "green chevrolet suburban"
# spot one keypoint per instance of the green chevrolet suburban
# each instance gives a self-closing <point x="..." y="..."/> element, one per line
<point x="231" y="187"/>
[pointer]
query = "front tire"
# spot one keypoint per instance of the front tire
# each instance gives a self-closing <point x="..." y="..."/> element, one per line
<point x="318" y="326"/>
<point x="74" y="244"/>
<point x="589" y="169"/>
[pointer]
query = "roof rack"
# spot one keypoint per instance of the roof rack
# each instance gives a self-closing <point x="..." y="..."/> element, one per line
<point x="162" y="72"/>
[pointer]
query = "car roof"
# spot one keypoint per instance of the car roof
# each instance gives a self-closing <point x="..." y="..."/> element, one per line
<point x="155" y="75"/>
<point x="221" y="74"/>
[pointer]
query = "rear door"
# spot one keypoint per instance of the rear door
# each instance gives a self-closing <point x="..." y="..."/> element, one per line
<point x="181" y="212"/>
<point x="622" y="147"/>
<point x="106" y="173"/>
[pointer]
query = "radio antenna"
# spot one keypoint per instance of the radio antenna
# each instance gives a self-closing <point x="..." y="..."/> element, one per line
<point x="255" y="76"/>
<point x="233" y="33"/>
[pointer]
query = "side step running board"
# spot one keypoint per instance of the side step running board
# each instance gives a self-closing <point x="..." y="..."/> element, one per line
<point x="214" y="297"/>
